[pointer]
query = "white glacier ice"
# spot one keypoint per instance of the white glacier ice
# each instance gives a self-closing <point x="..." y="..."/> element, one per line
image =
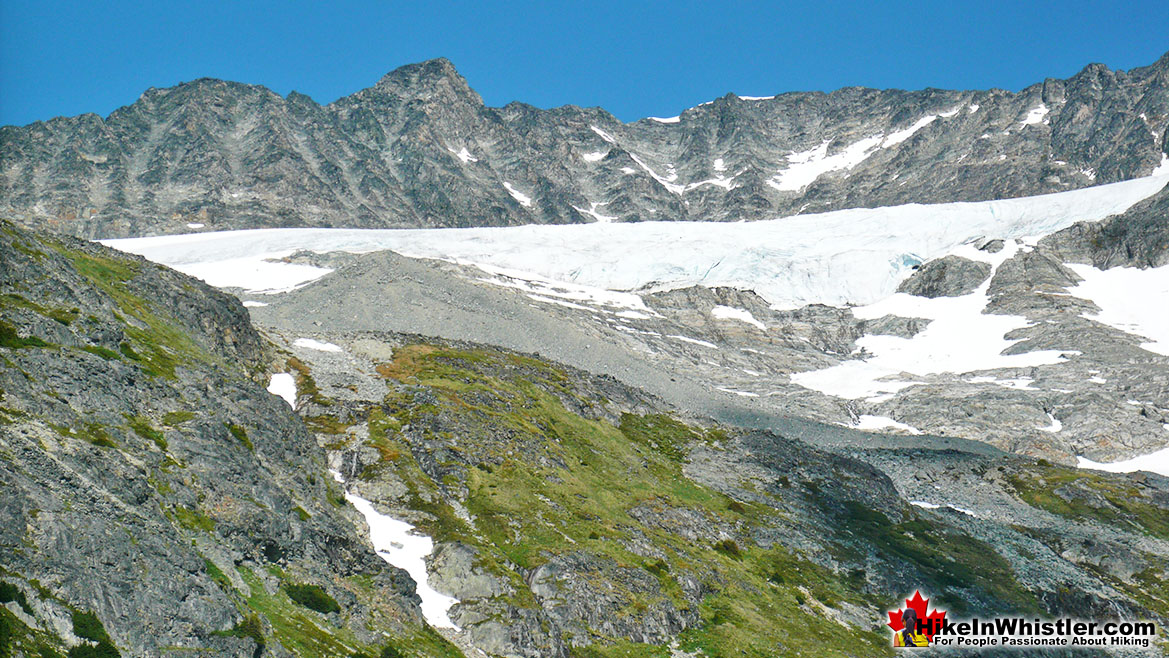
<point x="853" y="256"/>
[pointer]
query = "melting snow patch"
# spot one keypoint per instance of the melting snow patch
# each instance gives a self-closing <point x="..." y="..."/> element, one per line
<point x="1163" y="168"/>
<point x="464" y="155"/>
<point x="666" y="119"/>
<point x="525" y="200"/>
<point x="923" y="504"/>
<point x="1055" y="425"/>
<point x="1036" y="115"/>
<point x="695" y="341"/>
<point x="876" y="423"/>
<point x="194" y="225"/>
<point x="731" y="313"/>
<point x="804" y="167"/>
<point x="309" y="343"/>
<point x="960" y="338"/>
<point x="592" y="212"/>
<point x="251" y="304"/>
<point x="755" y="98"/>
<point x="283" y="385"/>
<point x="603" y="135"/>
<point x="1132" y="300"/>
<point x="901" y="135"/>
<point x="1156" y="462"/>
<point x="745" y="394"/>
<point x="594" y="157"/>
<point x="398" y="543"/>
<point x="973" y="108"/>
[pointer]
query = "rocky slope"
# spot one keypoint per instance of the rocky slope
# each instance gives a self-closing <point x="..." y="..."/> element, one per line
<point x="578" y="517"/>
<point x="154" y="498"/>
<point x="419" y="148"/>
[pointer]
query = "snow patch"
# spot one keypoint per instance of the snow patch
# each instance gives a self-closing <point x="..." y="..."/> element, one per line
<point x="869" y="423"/>
<point x="595" y="156"/>
<point x="1036" y="115"/>
<point x="399" y="544"/>
<point x="603" y="135"/>
<point x="665" y="119"/>
<point x="743" y="394"/>
<point x="960" y="338"/>
<point x="687" y="339"/>
<point x="194" y="225"/>
<point x="464" y="155"/>
<point x="320" y="346"/>
<point x="525" y="200"/>
<point x="1130" y="299"/>
<point x="283" y="385"/>
<point x="251" y="304"/>
<point x="1054" y="426"/>
<point x="1156" y="462"/>
<point x="592" y="212"/>
<point x="731" y="313"/>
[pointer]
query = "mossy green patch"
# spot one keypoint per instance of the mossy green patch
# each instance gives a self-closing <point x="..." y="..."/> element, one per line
<point x="193" y="519"/>
<point x="176" y="418"/>
<point x="313" y="597"/>
<point x="240" y="435"/>
<point x="142" y="428"/>
<point x="11" y="339"/>
<point x="103" y="352"/>
<point x="1077" y="494"/>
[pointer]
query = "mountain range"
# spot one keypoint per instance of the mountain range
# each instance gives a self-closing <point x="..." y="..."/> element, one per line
<point x="420" y="149"/>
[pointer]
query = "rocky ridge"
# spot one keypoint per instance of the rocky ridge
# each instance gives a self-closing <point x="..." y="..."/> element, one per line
<point x="154" y="497"/>
<point x="420" y="149"/>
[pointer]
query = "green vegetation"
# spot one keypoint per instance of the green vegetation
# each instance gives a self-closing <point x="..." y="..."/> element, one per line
<point x="542" y="480"/>
<point x="65" y="316"/>
<point x="193" y="520"/>
<point x="1086" y="495"/>
<point x="10" y="593"/>
<point x="240" y="435"/>
<point x="248" y="627"/>
<point x="105" y="353"/>
<point x="156" y="343"/>
<point x="313" y="597"/>
<point x="12" y="340"/>
<point x="92" y="432"/>
<point x="86" y="625"/>
<point x="142" y="428"/>
<point x="942" y="558"/>
<point x="176" y="418"/>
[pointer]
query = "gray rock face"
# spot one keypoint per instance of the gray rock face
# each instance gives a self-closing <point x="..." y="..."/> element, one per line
<point x="419" y="148"/>
<point x="148" y="478"/>
<point x="950" y="276"/>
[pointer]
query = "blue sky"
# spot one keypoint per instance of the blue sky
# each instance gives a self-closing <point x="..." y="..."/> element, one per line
<point x="635" y="59"/>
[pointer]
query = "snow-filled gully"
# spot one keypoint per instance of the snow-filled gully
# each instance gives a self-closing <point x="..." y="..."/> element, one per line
<point x="401" y="545"/>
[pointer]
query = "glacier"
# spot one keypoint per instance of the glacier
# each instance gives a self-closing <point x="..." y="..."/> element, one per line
<point x="846" y="257"/>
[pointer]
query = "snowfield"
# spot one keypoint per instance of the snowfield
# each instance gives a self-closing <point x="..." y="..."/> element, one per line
<point x="856" y="256"/>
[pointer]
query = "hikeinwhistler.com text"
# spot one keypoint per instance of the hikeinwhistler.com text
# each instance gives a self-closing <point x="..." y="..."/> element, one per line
<point x="1019" y="632"/>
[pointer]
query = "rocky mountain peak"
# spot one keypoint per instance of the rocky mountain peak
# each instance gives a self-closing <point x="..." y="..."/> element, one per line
<point x="431" y="77"/>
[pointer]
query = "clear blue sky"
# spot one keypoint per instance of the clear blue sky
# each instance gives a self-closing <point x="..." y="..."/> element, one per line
<point x="634" y="58"/>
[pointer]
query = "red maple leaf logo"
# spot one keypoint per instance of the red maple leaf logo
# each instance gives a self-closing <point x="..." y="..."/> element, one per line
<point x="931" y="622"/>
